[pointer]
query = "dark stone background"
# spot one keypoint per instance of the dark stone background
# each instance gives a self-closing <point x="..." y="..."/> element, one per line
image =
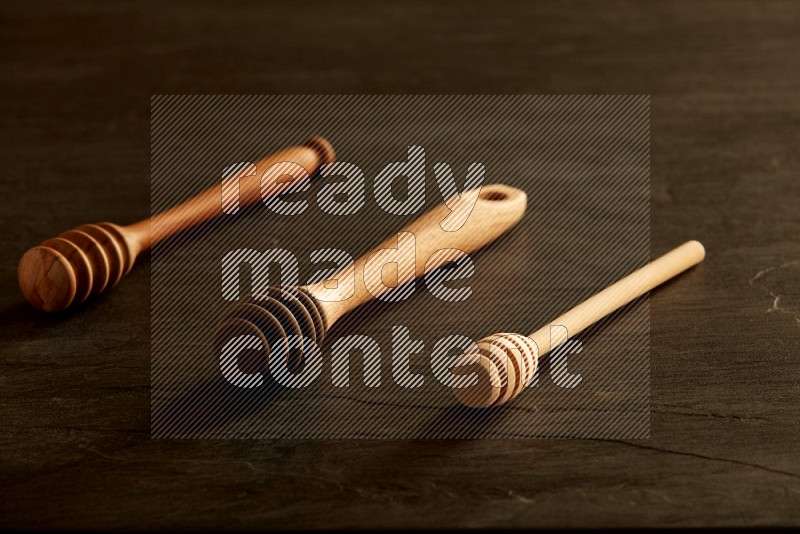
<point x="725" y="84"/>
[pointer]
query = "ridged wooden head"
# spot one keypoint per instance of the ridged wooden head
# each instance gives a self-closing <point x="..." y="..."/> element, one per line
<point x="67" y="269"/>
<point x="272" y="317"/>
<point x="504" y="365"/>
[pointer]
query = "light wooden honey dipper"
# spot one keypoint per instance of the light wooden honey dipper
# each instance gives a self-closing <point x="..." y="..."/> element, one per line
<point x="505" y="363"/>
<point x="310" y="311"/>
<point x="67" y="269"/>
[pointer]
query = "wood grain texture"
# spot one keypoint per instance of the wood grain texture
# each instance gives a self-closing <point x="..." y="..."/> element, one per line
<point x="60" y="272"/>
<point x="489" y="215"/>
<point x="725" y="84"/>
<point x="506" y="362"/>
<point x="308" y="312"/>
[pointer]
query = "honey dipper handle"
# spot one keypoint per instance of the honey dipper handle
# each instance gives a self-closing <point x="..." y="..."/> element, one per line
<point x="455" y="228"/>
<point x="295" y="162"/>
<point x="617" y="295"/>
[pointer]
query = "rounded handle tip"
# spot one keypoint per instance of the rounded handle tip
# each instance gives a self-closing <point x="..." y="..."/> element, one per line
<point x="510" y="199"/>
<point x="698" y="249"/>
<point x="324" y="149"/>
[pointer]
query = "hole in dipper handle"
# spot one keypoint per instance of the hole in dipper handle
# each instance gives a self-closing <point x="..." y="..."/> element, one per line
<point x="493" y="195"/>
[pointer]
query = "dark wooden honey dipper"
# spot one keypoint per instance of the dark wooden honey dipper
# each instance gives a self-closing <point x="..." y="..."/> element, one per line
<point x="505" y="363"/>
<point x="310" y="311"/>
<point x="67" y="269"/>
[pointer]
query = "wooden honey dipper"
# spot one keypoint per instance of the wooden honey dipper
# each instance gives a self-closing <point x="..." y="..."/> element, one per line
<point x="67" y="269"/>
<point x="310" y="311"/>
<point x="505" y="363"/>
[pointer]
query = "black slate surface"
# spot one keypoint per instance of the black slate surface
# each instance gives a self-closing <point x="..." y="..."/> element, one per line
<point x="725" y="84"/>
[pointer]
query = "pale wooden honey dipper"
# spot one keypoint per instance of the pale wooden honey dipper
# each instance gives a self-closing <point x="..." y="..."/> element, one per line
<point x="310" y="311"/>
<point x="505" y="363"/>
<point x="67" y="269"/>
